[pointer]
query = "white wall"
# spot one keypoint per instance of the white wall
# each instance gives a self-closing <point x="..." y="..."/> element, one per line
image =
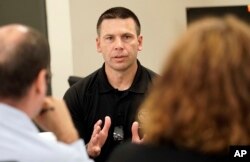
<point x="59" y="31"/>
<point x="72" y="32"/>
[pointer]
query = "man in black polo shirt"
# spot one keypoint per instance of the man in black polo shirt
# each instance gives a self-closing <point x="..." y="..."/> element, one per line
<point x="103" y="105"/>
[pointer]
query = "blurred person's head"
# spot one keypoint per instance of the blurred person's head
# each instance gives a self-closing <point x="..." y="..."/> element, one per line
<point x="24" y="62"/>
<point x="202" y="100"/>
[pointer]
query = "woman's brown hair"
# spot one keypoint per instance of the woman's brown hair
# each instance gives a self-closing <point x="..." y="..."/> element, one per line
<point x="202" y="99"/>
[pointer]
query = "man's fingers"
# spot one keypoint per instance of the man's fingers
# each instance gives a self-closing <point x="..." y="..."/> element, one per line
<point x="95" y="138"/>
<point x="135" y="129"/>
<point x="96" y="131"/>
<point x="98" y="123"/>
<point x="107" y="124"/>
<point x="135" y="133"/>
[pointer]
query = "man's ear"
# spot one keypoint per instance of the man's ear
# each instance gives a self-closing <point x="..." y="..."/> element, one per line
<point x="41" y="83"/>
<point x="98" y="48"/>
<point x="140" y="40"/>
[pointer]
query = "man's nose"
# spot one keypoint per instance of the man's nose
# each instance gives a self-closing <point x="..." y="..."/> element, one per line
<point x="118" y="44"/>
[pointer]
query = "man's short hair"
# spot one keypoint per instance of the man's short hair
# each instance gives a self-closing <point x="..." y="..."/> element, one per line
<point x="118" y="12"/>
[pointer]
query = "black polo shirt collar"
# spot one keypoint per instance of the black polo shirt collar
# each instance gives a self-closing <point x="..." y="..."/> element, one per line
<point x="139" y="84"/>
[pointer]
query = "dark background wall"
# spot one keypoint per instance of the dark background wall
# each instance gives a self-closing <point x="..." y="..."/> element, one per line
<point x="240" y="11"/>
<point x="28" y="12"/>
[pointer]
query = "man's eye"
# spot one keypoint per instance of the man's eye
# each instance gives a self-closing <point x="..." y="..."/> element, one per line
<point x="126" y="38"/>
<point x="109" y="38"/>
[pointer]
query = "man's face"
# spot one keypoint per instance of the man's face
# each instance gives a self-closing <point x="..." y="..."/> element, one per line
<point x="119" y="43"/>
